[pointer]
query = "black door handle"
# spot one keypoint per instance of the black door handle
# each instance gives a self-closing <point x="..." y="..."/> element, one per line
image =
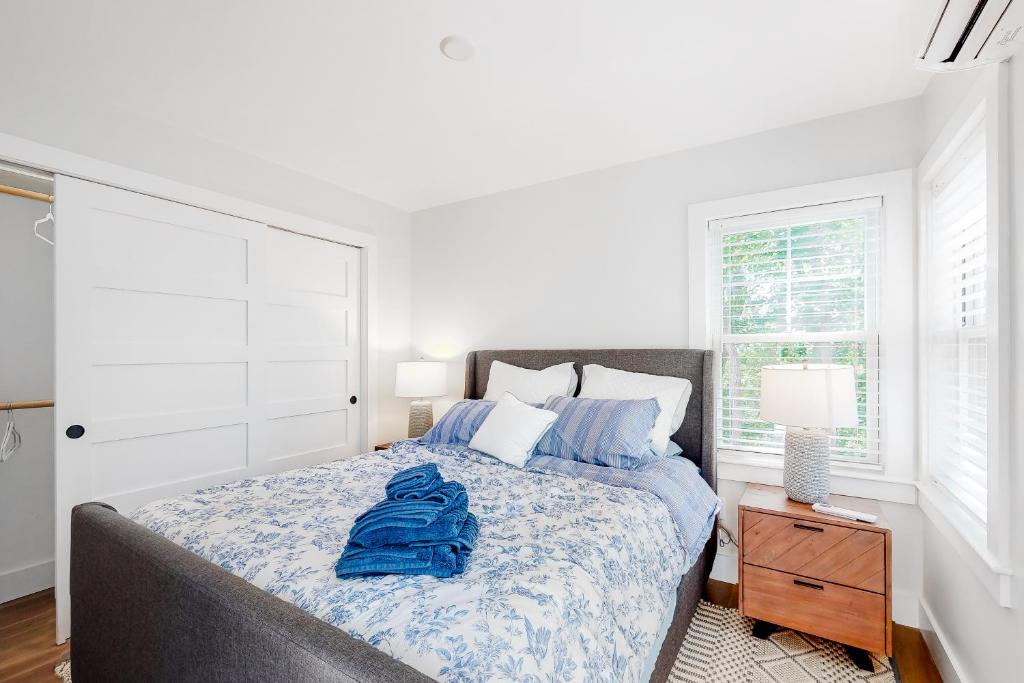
<point x="352" y="400"/>
<point x="75" y="431"/>
<point x="808" y="528"/>
<point x="808" y="585"/>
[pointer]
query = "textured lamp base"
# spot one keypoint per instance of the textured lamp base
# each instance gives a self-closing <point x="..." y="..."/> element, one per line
<point x="421" y="418"/>
<point x="805" y="473"/>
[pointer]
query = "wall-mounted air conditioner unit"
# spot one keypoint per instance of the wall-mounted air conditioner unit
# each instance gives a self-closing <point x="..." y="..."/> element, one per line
<point x="968" y="33"/>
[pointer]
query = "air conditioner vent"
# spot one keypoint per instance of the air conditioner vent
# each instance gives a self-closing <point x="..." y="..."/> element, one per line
<point x="968" y="33"/>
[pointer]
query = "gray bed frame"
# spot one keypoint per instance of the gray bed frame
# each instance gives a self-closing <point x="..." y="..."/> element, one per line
<point x="144" y="608"/>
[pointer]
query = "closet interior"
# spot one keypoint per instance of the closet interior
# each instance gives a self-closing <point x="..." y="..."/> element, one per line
<point x="26" y="381"/>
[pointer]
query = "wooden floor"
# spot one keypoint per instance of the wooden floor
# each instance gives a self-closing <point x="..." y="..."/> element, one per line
<point x="27" y="652"/>
<point x="27" y="627"/>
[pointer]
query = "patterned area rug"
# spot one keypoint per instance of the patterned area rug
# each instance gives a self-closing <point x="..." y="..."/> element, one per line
<point x="63" y="671"/>
<point x="720" y="649"/>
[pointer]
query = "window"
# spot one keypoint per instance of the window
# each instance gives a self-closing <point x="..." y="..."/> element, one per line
<point x="957" y="320"/>
<point x="823" y="272"/>
<point x="795" y="285"/>
<point x="964" y="318"/>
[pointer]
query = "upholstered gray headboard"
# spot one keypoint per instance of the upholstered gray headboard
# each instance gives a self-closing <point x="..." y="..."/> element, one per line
<point x="696" y="436"/>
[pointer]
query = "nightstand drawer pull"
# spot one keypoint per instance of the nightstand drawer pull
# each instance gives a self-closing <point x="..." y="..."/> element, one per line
<point x="808" y="528"/>
<point x="805" y="584"/>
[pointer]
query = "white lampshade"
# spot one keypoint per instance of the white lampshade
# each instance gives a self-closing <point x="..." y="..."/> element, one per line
<point x="812" y="395"/>
<point x="420" y="378"/>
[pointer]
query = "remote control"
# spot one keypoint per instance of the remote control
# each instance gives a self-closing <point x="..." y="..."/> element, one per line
<point x="826" y="509"/>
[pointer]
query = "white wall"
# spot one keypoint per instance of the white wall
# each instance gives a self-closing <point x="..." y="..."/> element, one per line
<point x="500" y="270"/>
<point x="26" y="373"/>
<point x="120" y="137"/>
<point x="972" y="638"/>
<point x="941" y="98"/>
<point x="599" y="259"/>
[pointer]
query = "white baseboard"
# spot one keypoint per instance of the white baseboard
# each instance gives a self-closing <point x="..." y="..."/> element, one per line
<point x="22" y="581"/>
<point x="945" y="659"/>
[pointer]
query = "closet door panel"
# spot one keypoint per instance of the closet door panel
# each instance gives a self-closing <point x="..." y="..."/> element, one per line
<point x="170" y="388"/>
<point x="159" y="352"/>
<point x="295" y="325"/>
<point x="306" y="264"/>
<point x="313" y="361"/>
<point x="128" y="466"/>
<point x="129" y="316"/>
<point x="176" y="251"/>
<point x="304" y="439"/>
<point x="298" y="379"/>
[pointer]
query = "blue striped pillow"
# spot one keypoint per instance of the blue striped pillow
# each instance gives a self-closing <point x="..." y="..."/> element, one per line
<point x="459" y="424"/>
<point x="600" y="431"/>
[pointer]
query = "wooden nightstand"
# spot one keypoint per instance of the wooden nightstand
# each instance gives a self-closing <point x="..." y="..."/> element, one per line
<point x="383" y="446"/>
<point x="822" y="575"/>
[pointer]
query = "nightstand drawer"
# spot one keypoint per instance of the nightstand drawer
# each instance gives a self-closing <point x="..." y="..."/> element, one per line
<point x="846" y="615"/>
<point x="829" y="552"/>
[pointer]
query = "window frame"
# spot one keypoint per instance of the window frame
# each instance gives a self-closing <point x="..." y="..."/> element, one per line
<point x="717" y="231"/>
<point x="892" y="479"/>
<point x="984" y="547"/>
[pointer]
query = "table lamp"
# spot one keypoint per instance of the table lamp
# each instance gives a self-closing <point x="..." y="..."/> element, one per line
<point x="419" y="380"/>
<point x="810" y="400"/>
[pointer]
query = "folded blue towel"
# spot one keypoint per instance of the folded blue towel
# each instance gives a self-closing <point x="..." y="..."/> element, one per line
<point x="463" y="545"/>
<point x="403" y="512"/>
<point x="390" y="530"/>
<point x="440" y="516"/>
<point x="423" y="527"/>
<point x="414" y="483"/>
<point x="434" y="560"/>
<point x="464" y="542"/>
<point x="460" y="562"/>
<point x="448" y="495"/>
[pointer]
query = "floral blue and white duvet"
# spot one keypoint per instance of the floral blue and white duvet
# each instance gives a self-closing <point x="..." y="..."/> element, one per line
<point x="571" y="579"/>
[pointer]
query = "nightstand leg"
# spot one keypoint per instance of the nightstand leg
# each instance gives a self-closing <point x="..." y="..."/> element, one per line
<point x="762" y="629"/>
<point x="860" y="657"/>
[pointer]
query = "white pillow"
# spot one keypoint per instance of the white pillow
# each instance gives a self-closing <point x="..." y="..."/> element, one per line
<point x="511" y="430"/>
<point x="530" y="386"/>
<point x="672" y="393"/>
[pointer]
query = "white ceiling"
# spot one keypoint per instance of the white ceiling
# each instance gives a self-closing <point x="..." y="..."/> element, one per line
<point x="356" y="92"/>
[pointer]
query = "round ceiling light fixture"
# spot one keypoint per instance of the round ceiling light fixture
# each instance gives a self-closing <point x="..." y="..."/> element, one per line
<point x="456" y="48"/>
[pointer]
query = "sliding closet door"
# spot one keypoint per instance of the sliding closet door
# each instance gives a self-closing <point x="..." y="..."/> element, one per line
<point x="159" y="315"/>
<point x="313" y="359"/>
<point x="193" y="348"/>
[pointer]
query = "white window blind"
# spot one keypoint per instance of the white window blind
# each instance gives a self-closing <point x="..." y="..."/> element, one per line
<point x="795" y="285"/>
<point x="957" y="331"/>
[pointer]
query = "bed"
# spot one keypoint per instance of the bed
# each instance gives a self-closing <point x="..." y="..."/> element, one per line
<point x="149" y="607"/>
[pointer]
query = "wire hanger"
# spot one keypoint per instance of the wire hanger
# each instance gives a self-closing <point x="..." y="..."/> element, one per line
<point x="11" y="441"/>
<point x="48" y="218"/>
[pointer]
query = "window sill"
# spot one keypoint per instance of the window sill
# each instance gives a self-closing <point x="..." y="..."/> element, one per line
<point x="860" y="481"/>
<point x="967" y="539"/>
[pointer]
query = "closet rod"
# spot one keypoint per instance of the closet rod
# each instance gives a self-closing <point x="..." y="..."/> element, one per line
<point x="27" y="194"/>
<point x="25" y="405"/>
